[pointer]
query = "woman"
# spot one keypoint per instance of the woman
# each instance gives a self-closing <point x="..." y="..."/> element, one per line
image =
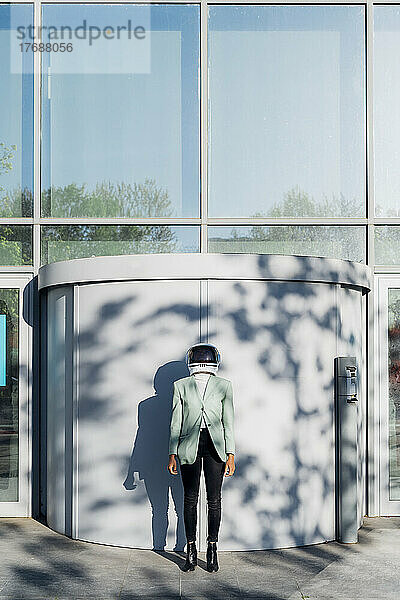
<point x="202" y="435"/>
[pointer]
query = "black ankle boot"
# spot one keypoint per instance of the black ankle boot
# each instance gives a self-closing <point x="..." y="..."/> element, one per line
<point x="191" y="557"/>
<point x="212" y="559"/>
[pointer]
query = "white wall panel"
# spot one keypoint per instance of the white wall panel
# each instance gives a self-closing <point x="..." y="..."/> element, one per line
<point x="132" y="341"/>
<point x="278" y="342"/>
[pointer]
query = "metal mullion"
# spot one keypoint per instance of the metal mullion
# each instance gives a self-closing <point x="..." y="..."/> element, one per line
<point x="288" y="221"/>
<point x="16" y="221"/>
<point x="386" y="221"/>
<point x="119" y="2"/>
<point x="237" y="3"/>
<point x="259" y="2"/>
<point x="283" y="3"/>
<point x="204" y="124"/>
<point x="117" y="221"/>
<point x="11" y="271"/>
<point x="369" y="130"/>
<point x="373" y="475"/>
<point x="191" y="221"/>
<point x="381" y="269"/>
<point x="203" y="215"/>
<point x="214" y="2"/>
<point x="37" y="65"/>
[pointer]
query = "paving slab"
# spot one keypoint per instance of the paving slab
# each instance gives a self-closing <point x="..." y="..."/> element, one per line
<point x="40" y="564"/>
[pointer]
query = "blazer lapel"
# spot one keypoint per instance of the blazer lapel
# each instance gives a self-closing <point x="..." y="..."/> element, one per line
<point x="193" y="387"/>
<point x="208" y="389"/>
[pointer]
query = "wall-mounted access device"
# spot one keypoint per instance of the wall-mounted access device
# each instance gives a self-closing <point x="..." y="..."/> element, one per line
<point x="351" y="375"/>
<point x="346" y="407"/>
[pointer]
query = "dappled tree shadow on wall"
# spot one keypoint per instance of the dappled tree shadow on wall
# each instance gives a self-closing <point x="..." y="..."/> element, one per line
<point x="149" y="457"/>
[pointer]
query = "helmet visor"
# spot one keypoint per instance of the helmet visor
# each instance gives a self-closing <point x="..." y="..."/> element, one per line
<point x="203" y="354"/>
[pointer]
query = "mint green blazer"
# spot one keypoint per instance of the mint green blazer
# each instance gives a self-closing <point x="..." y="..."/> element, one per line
<point x="187" y="409"/>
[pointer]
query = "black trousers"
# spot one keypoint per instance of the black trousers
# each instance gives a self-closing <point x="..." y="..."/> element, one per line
<point x="214" y="468"/>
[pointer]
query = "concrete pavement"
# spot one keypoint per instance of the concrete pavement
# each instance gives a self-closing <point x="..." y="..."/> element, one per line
<point x="38" y="564"/>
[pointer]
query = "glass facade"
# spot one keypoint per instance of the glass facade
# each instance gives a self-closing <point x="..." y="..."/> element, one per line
<point x="122" y="144"/>
<point x="393" y="334"/>
<point x="176" y="137"/>
<point x="9" y="394"/>
<point x="174" y="127"/>
<point x="386" y="112"/>
<point x="290" y="141"/>
<point x="16" y="115"/>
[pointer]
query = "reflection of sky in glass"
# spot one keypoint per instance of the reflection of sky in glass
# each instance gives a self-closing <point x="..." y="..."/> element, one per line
<point x="16" y="111"/>
<point x="286" y="108"/>
<point x="386" y="110"/>
<point x="128" y="127"/>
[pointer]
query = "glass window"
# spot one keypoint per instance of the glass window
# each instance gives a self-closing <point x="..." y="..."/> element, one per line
<point x="79" y="241"/>
<point x="121" y="119"/>
<point x="9" y="396"/>
<point x="15" y="245"/>
<point x="386" y="110"/>
<point x="387" y="245"/>
<point x="347" y="243"/>
<point x="393" y="334"/>
<point x="287" y="111"/>
<point x="16" y="114"/>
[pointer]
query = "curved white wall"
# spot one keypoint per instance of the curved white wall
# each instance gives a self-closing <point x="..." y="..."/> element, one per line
<point x="278" y="340"/>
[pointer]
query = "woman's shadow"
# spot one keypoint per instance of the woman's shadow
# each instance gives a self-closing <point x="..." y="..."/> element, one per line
<point x="149" y="457"/>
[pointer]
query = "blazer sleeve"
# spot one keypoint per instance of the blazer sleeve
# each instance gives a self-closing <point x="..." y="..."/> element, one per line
<point x="228" y="419"/>
<point x="176" y="421"/>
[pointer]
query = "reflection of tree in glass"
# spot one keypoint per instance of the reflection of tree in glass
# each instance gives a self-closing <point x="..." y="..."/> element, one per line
<point x="298" y="203"/>
<point x="79" y="241"/>
<point x="6" y="156"/>
<point x="13" y="249"/>
<point x="15" y="245"/>
<point x="297" y="239"/>
<point x="107" y="199"/>
<point x="383" y="211"/>
<point x="13" y="202"/>
<point x="387" y="245"/>
<point x="17" y="202"/>
<point x="74" y="241"/>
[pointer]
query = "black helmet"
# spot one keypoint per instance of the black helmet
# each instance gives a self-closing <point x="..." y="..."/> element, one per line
<point x="203" y="355"/>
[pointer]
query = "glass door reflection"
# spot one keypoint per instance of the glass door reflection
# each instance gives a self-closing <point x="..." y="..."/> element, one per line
<point x="9" y="395"/>
<point x="394" y="391"/>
